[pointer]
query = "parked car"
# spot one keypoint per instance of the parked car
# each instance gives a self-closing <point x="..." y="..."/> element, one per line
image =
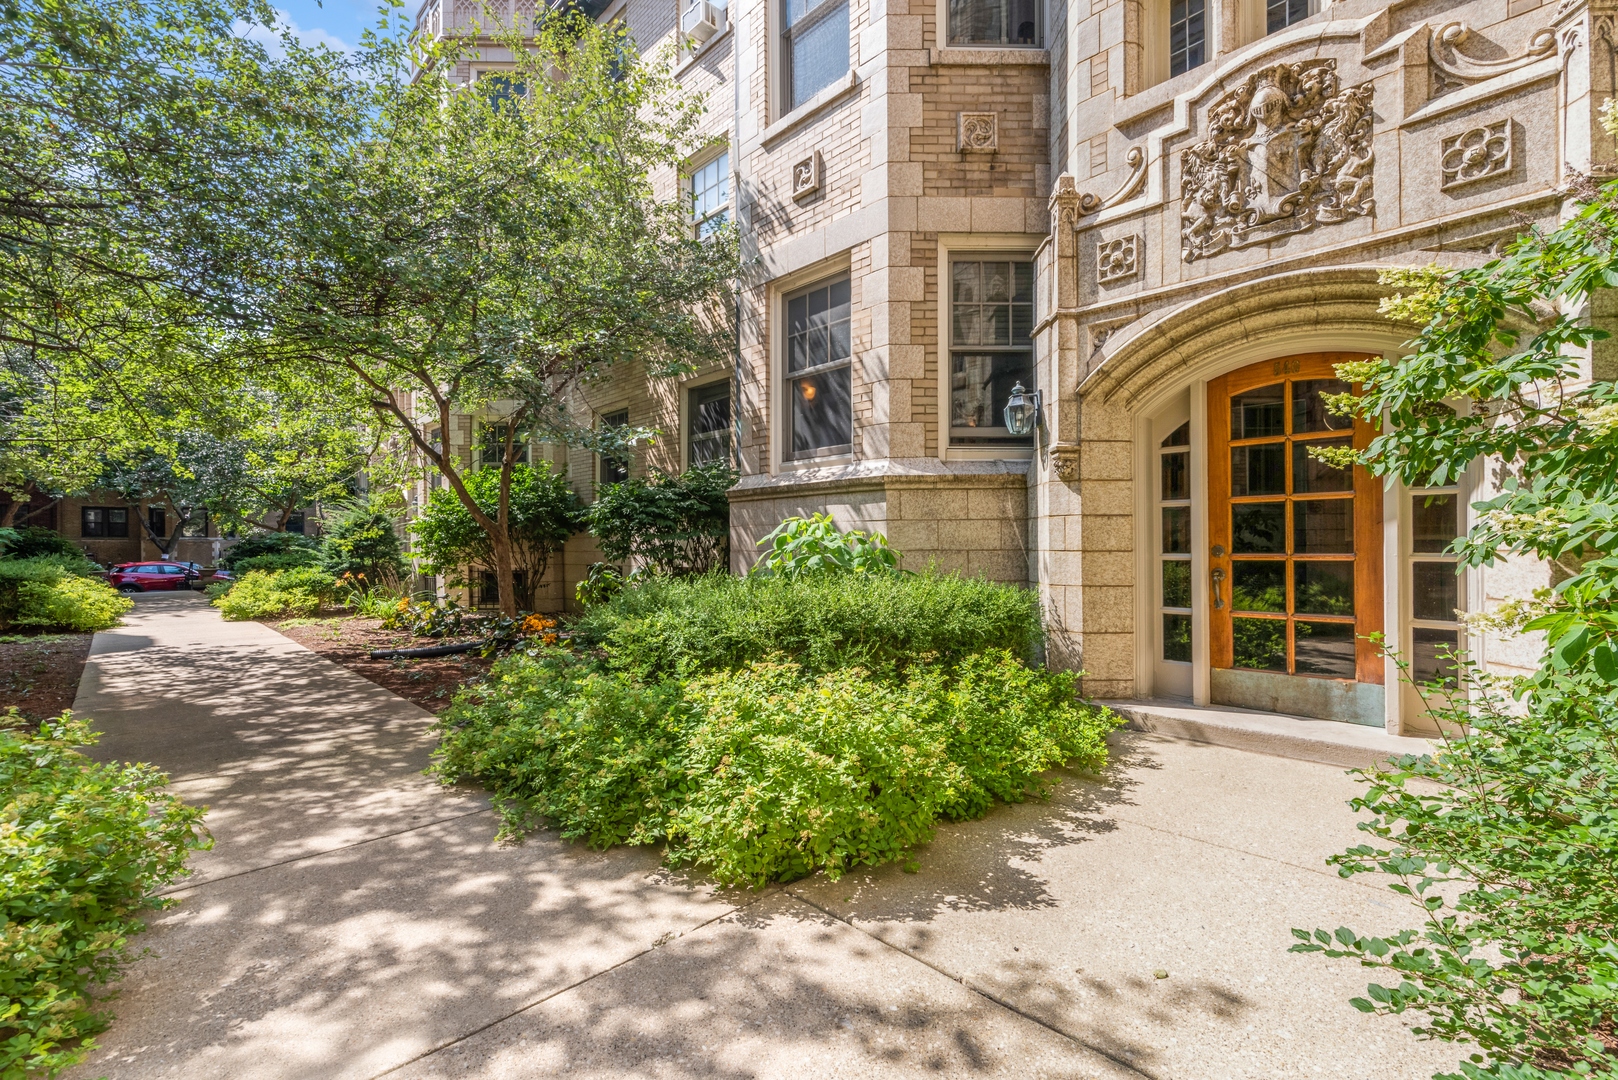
<point x="152" y="576"/>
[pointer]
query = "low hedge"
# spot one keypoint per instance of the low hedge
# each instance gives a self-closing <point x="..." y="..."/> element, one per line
<point x="769" y="772"/>
<point x="51" y="592"/>
<point x="883" y="623"/>
<point x="274" y="594"/>
<point x="84" y="847"/>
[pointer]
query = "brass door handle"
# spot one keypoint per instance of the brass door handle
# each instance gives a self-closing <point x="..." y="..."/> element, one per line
<point x="1218" y="576"/>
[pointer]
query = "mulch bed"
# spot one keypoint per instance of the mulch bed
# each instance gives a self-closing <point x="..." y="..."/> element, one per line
<point x="40" y="675"/>
<point x="430" y="683"/>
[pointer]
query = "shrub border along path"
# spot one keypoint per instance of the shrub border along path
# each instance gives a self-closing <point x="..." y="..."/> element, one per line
<point x="354" y="920"/>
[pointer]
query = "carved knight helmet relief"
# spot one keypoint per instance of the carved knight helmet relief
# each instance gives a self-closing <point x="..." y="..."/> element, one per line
<point x="1286" y="150"/>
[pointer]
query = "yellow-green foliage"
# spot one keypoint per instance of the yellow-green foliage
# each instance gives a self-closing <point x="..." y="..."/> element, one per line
<point x="1421" y="289"/>
<point x="272" y="594"/>
<point x="770" y="772"/>
<point x="70" y="603"/>
<point x="84" y="847"/>
<point x="54" y="592"/>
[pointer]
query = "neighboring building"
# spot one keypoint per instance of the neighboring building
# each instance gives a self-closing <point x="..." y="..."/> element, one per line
<point x="111" y="529"/>
<point x="1167" y="216"/>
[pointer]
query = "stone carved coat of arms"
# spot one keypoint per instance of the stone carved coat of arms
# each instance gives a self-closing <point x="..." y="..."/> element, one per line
<point x="1286" y="150"/>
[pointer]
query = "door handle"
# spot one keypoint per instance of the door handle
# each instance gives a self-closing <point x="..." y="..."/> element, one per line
<point x="1218" y="576"/>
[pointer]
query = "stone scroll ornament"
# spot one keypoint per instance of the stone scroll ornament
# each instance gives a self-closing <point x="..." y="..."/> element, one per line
<point x="1285" y="151"/>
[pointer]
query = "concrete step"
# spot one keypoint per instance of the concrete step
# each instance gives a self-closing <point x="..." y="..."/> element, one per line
<point x="1331" y="742"/>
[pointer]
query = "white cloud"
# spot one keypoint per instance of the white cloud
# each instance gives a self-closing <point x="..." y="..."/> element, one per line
<point x="270" y="37"/>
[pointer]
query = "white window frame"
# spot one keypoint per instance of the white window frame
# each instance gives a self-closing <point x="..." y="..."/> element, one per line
<point x="689" y="183"/>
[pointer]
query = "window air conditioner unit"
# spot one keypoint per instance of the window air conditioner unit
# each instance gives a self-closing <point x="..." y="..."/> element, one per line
<point x="702" y="20"/>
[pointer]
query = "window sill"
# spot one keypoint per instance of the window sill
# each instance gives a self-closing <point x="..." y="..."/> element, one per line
<point x="803" y="464"/>
<point x="989" y="453"/>
<point x="834" y="92"/>
<point x="989" y="56"/>
<point x="702" y="50"/>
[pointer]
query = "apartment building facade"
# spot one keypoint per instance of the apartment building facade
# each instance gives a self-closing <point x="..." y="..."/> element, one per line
<point x="1166" y="219"/>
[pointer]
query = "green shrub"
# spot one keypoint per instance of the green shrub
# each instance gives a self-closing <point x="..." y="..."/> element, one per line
<point x="56" y="590"/>
<point x="290" y="559"/>
<point x="882" y="623"/>
<point x="84" y="847"/>
<point x="542" y="512"/>
<point x="1006" y="725"/>
<point x="31" y="540"/>
<point x="768" y="772"/>
<point x="556" y="738"/>
<point x="1507" y="842"/>
<point x="70" y="603"/>
<point x="814" y="545"/>
<point x="359" y="542"/>
<point x="266" y="543"/>
<point x="794" y="775"/>
<point x="672" y="524"/>
<point x="217" y="588"/>
<point x="373" y="603"/>
<point x="265" y="594"/>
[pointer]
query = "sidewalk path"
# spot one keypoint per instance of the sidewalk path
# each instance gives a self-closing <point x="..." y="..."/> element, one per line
<point x="355" y="920"/>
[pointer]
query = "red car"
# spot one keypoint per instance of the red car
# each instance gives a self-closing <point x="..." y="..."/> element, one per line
<point x="152" y="576"/>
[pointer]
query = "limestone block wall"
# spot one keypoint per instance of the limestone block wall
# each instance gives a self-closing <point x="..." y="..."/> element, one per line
<point x="971" y="522"/>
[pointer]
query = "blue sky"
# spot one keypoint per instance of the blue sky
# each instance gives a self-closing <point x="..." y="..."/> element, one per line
<point x="337" y="23"/>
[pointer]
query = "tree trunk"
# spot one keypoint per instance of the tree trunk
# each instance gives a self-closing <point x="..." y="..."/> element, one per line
<point x="504" y="569"/>
<point x="10" y="513"/>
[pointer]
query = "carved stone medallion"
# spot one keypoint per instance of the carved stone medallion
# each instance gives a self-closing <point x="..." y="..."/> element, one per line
<point x="978" y="131"/>
<point x="1475" y="154"/>
<point x="1118" y="260"/>
<point x="1285" y="151"/>
<point x="806" y="176"/>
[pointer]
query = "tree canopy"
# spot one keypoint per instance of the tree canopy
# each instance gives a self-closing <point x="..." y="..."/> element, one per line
<point x="491" y="248"/>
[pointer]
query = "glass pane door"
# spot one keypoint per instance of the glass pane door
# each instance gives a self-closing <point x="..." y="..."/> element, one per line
<point x="1296" y="541"/>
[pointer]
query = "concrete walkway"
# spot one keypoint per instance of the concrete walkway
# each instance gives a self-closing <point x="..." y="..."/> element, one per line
<point x="356" y="921"/>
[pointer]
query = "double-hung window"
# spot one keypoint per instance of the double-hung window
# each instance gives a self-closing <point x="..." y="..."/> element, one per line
<point x="1280" y="14"/>
<point x="814" y="47"/>
<point x="502" y="88"/>
<point x="991" y="347"/>
<point x="493" y="445"/>
<point x="994" y="23"/>
<point x="1188" y="35"/>
<point x="104" y="521"/>
<point x="614" y="467"/>
<point x="820" y="417"/>
<point x="710" y="195"/>
<point x="708" y="424"/>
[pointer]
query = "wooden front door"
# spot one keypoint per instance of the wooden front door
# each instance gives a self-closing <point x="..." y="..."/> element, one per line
<point x="1295" y="544"/>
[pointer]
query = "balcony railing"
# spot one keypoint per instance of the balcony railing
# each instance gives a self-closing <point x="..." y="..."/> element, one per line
<point x="440" y="18"/>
